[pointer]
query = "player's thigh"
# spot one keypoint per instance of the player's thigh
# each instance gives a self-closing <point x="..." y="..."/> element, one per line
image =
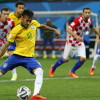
<point x="45" y="41"/>
<point x="32" y="64"/>
<point x="51" y="41"/>
<point x="68" y="51"/>
<point x="10" y="63"/>
<point x="81" y="51"/>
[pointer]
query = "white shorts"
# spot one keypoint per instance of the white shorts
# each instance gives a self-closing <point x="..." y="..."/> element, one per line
<point x="70" y="51"/>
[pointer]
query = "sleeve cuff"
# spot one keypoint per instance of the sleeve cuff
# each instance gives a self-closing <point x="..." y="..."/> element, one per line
<point x="10" y="41"/>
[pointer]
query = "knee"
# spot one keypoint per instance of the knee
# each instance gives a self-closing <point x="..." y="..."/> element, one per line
<point x="65" y="60"/>
<point x="82" y="59"/>
<point x="2" y="72"/>
<point x="38" y="71"/>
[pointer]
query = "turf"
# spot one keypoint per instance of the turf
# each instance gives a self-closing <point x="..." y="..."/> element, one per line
<point x="60" y="87"/>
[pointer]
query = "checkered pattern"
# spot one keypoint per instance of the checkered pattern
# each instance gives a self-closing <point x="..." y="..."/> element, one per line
<point x="79" y="27"/>
<point x="4" y="29"/>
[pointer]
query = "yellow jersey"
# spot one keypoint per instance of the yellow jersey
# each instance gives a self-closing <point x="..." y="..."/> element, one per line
<point x="25" y="39"/>
<point x="15" y="18"/>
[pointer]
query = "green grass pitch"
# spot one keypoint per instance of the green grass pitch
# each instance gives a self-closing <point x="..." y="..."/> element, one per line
<point x="60" y="87"/>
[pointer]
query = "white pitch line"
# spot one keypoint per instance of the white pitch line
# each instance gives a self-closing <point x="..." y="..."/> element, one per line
<point x="55" y="78"/>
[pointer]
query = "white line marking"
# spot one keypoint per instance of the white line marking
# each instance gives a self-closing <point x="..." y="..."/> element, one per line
<point x="55" y="78"/>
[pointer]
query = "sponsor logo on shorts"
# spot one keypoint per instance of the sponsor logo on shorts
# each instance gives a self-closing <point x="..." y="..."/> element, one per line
<point x="5" y="65"/>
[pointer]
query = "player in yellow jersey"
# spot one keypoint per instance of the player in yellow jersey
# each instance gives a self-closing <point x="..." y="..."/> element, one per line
<point x="16" y="16"/>
<point x="24" y="35"/>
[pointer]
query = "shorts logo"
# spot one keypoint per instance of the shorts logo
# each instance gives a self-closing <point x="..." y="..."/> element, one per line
<point x="5" y="65"/>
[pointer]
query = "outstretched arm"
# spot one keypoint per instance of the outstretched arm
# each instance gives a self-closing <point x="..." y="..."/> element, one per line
<point x="4" y="49"/>
<point x="45" y="27"/>
<point x="95" y="31"/>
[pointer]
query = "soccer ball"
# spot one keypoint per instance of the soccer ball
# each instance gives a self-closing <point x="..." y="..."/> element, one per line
<point x="23" y="93"/>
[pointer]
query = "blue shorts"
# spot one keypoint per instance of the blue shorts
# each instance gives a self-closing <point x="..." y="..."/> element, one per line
<point x="12" y="47"/>
<point x="45" y="41"/>
<point x="13" y="61"/>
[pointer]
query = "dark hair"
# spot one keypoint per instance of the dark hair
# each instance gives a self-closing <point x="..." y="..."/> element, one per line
<point x="19" y="3"/>
<point x="28" y="13"/>
<point x="86" y="8"/>
<point x="5" y="9"/>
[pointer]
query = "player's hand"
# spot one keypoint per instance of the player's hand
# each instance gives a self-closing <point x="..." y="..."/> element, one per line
<point x="57" y="33"/>
<point x="79" y="38"/>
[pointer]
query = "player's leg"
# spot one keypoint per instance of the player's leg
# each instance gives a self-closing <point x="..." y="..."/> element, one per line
<point x="10" y="51"/>
<point x="2" y="72"/>
<point x="9" y="64"/>
<point x="95" y="60"/>
<point x="65" y="58"/>
<point x="34" y="67"/>
<point x="82" y="54"/>
<point x="53" y="51"/>
<point x="44" y="48"/>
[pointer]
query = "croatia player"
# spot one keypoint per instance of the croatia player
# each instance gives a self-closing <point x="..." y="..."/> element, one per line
<point x="16" y="16"/>
<point x="95" y="60"/>
<point x="25" y="34"/>
<point x="75" y="42"/>
<point x="6" y="25"/>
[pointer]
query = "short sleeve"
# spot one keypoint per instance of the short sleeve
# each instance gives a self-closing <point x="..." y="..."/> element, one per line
<point x="12" y="24"/>
<point x="36" y="23"/>
<point x="74" y="24"/>
<point x="91" y="25"/>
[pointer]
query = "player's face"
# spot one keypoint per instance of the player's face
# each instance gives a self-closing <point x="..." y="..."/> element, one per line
<point x="4" y="15"/>
<point x="20" y="9"/>
<point x="86" y="14"/>
<point x="26" y="21"/>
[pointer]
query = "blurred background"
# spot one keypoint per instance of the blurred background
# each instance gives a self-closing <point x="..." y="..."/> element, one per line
<point x="61" y="13"/>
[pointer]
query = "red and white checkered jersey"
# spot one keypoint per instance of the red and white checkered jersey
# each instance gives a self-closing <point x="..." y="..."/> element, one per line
<point x="5" y="29"/>
<point x="79" y="26"/>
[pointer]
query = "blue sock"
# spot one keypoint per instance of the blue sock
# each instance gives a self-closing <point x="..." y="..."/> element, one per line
<point x="59" y="62"/>
<point x="77" y="66"/>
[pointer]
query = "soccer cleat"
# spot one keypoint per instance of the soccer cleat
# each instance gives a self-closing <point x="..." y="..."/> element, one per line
<point x="45" y="57"/>
<point x="14" y="78"/>
<point x="38" y="96"/>
<point x="51" y="72"/>
<point x="53" y="56"/>
<point x="73" y="75"/>
<point x="91" y="72"/>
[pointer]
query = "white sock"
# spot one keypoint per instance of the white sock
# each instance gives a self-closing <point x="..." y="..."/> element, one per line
<point x="14" y="73"/>
<point x="1" y="74"/>
<point x="95" y="60"/>
<point x="44" y="52"/>
<point x="53" y="52"/>
<point x="38" y="81"/>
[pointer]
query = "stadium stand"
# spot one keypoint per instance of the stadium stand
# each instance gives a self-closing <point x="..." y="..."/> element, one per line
<point x="59" y="45"/>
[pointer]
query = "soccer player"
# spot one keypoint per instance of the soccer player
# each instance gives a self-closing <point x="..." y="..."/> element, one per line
<point x="24" y="35"/>
<point x="75" y="42"/>
<point x="16" y="16"/>
<point x="6" y="25"/>
<point x="95" y="60"/>
<point x="48" y="37"/>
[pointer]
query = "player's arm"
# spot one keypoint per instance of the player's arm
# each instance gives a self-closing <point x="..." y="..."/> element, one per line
<point x="4" y="49"/>
<point x="45" y="27"/>
<point x="71" y="27"/>
<point x="95" y="31"/>
<point x="75" y="35"/>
